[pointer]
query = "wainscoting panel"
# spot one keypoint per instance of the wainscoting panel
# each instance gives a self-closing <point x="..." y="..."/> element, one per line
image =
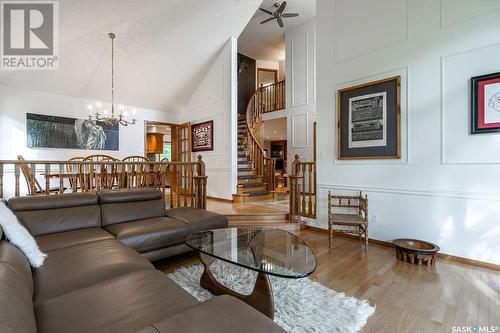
<point x="368" y="26"/>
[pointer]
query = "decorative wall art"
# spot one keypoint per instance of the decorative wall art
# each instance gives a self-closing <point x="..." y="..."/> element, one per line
<point x="368" y="117"/>
<point x="485" y="108"/>
<point x="203" y="136"/>
<point x="60" y="132"/>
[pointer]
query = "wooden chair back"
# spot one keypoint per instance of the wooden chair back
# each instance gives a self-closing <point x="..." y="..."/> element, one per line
<point x="349" y="202"/>
<point x="97" y="177"/>
<point x="135" y="158"/>
<point x="29" y="175"/>
<point x="73" y="168"/>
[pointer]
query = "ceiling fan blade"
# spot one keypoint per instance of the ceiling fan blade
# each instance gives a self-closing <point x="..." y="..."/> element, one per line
<point x="269" y="19"/>
<point x="290" y="15"/>
<point x="281" y="8"/>
<point x="266" y="11"/>
<point x="280" y="22"/>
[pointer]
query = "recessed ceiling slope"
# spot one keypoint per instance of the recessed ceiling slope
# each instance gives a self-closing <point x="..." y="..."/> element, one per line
<point x="162" y="49"/>
<point x="267" y="41"/>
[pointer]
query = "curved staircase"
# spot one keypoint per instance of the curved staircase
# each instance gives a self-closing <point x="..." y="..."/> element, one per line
<point x="251" y="185"/>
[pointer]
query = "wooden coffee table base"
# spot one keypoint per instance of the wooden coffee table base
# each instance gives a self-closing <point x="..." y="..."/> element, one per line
<point x="261" y="297"/>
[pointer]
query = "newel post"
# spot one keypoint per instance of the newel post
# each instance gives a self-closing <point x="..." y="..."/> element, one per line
<point x="201" y="185"/>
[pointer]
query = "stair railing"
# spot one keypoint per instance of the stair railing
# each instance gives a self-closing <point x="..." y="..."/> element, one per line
<point x="262" y="164"/>
<point x="272" y="97"/>
<point x="302" y="189"/>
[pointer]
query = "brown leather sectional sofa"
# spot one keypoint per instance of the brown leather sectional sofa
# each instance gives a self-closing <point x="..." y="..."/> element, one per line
<point x="97" y="276"/>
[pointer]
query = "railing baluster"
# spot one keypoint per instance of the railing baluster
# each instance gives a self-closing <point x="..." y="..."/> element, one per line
<point x="32" y="186"/>
<point x="47" y="179"/>
<point x="16" y="175"/>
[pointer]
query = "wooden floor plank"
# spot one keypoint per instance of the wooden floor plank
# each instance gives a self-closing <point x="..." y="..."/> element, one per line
<point x="408" y="298"/>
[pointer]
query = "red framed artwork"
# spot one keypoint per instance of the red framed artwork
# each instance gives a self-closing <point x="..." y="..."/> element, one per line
<point x="485" y="108"/>
<point x="202" y="136"/>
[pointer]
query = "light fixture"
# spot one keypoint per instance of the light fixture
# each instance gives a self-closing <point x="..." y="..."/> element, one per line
<point x="113" y="118"/>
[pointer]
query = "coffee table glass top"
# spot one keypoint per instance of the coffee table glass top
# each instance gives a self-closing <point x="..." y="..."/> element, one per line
<point x="271" y="251"/>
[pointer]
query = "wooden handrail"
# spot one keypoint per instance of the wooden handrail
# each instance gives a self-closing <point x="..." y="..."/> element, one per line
<point x="263" y="165"/>
<point x="86" y="176"/>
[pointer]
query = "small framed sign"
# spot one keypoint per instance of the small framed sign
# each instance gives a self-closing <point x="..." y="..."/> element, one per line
<point x="485" y="108"/>
<point x="203" y="136"/>
<point x="368" y="117"/>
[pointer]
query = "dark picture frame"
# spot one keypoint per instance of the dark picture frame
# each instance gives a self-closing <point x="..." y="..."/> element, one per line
<point x="46" y="131"/>
<point x="368" y="120"/>
<point x="202" y="136"/>
<point x="485" y="104"/>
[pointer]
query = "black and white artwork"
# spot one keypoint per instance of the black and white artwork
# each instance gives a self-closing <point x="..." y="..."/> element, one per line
<point x="45" y="131"/>
<point x="368" y="120"/>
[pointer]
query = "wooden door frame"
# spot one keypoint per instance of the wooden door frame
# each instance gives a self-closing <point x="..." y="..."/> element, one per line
<point x="275" y="71"/>
<point x="152" y="123"/>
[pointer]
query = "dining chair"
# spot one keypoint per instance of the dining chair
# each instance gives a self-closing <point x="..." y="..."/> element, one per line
<point x="351" y="216"/>
<point x="135" y="174"/>
<point x="34" y="187"/>
<point x="72" y="169"/>
<point x="95" y="177"/>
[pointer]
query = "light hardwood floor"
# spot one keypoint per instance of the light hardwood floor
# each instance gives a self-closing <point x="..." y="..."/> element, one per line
<point x="408" y="298"/>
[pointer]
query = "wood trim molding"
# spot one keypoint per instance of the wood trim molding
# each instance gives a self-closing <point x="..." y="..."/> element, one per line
<point x="443" y="256"/>
<point x="219" y="199"/>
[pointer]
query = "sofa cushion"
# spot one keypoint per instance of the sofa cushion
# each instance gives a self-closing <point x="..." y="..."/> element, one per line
<point x="70" y="238"/>
<point x="123" y="304"/>
<point x="198" y="219"/>
<point x="150" y="234"/>
<point x="83" y="265"/>
<point x="16" y="303"/>
<point x="43" y="215"/>
<point x="220" y="314"/>
<point x="128" y="205"/>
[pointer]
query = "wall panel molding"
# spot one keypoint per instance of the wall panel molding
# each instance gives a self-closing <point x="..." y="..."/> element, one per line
<point x="444" y="25"/>
<point x="378" y="48"/>
<point x="443" y="156"/>
<point x="301" y="118"/>
<point x="466" y="195"/>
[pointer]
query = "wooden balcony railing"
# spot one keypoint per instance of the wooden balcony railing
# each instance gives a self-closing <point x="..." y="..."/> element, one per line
<point x="302" y="189"/>
<point x="263" y="165"/>
<point x="272" y="97"/>
<point x="183" y="183"/>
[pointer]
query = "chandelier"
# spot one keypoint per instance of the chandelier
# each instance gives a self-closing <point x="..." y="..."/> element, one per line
<point x="111" y="119"/>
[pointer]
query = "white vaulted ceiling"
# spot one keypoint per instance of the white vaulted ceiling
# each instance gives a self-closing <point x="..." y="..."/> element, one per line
<point x="162" y="49"/>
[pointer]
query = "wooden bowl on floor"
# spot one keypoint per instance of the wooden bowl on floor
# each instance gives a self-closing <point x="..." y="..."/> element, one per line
<point x="415" y="251"/>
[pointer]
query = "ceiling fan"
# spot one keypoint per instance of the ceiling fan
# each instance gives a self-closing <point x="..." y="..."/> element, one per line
<point x="278" y="14"/>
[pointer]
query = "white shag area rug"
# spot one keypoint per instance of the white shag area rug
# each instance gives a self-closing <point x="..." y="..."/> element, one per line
<point x="301" y="305"/>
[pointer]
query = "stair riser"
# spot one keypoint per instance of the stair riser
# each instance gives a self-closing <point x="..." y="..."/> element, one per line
<point x="242" y="190"/>
<point x="241" y="159"/>
<point x="245" y="165"/>
<point x="253" y="180"/>
<point x="282" y="226"/>
<point x="247" y="198"/>
<point x="246" y="173"/>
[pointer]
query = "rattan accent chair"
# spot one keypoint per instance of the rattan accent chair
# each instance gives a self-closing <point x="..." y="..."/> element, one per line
<point x="351" y="218"/>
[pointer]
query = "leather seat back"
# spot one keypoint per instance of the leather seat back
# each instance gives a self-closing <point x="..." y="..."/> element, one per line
<point x="47" y="214"/>
<point x="119" y="206"/>
<point x="16" y="291"/>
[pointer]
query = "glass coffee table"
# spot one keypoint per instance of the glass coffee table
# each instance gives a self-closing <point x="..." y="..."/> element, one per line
<point x="267" y="251"/>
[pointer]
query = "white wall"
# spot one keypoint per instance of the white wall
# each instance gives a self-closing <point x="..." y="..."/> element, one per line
<point x="445" y="188"/>
<point x="300" y="65"/>
<point x="215" y="99"/>
<point x="16" y="102"/>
